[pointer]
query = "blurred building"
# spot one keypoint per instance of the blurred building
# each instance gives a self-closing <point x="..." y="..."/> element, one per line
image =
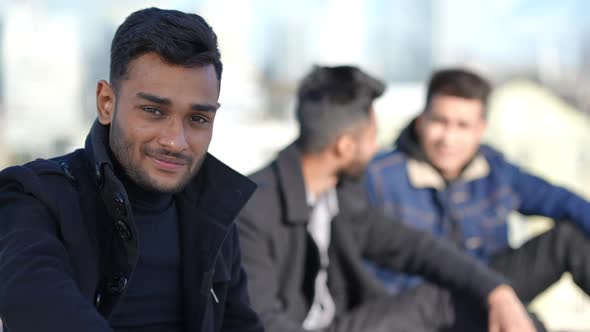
<point x="544" y="134"/>
<point x="41" y="63"/>
<point x="2" y="78"/>
<point x="400" y="38"/>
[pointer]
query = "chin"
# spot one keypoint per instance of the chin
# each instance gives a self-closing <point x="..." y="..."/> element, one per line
<point x="174" y="187"/>
<point x="165" y="186"/>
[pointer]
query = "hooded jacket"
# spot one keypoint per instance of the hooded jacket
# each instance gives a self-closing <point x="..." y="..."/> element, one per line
<point x="471" y="211"/>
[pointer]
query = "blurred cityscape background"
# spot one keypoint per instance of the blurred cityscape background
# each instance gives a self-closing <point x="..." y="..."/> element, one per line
<point x="536" y="52"/>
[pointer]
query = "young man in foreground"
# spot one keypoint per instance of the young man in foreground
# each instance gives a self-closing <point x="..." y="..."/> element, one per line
<point x="134" y="232"/>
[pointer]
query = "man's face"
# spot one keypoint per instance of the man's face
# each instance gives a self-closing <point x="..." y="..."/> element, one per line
<point x="365" y="145"/>
<point x="450" y="132"/>
<point x="162" y="122"/>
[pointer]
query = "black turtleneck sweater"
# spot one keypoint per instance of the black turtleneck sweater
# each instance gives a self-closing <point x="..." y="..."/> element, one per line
<point x="153" y="299"/>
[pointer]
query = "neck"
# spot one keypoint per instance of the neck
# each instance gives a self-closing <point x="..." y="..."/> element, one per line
<point x="449" y="176"/>
<point x="319" y="174"/>
<point x="142" y="200"/>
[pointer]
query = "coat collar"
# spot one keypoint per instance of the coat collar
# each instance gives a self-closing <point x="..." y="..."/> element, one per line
<point x="423" y="175"/>
<point x="224" y="191"/>
<point x="292" y="184"/>
<point x="207" y="208"/>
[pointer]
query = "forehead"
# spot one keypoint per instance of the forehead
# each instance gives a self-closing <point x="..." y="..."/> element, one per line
<point x="149" y="73"/>
<point x="456" y="107"/>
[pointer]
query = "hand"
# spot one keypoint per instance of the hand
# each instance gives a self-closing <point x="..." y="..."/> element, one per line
<point x="507" y="313"/>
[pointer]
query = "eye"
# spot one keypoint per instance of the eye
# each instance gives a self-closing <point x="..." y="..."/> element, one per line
<point x="199" y="119"/>
<point x="438" y="120"/>
<point x="151" y="110"/>
<point x="464" y="125"/>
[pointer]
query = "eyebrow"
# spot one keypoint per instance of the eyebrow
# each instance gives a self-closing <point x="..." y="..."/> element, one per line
<point x="204" y="108"/>
<point x="168" y="102"/>
<point x="154" y="98"/>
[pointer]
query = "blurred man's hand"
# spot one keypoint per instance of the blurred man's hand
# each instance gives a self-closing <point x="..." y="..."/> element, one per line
<point x="507" y="313"/>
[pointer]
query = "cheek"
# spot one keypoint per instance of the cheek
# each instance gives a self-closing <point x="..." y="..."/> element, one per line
<point x="471" y="140"/>
<point x="199" y="140"/>
<point x="140" y="137"/>
<point x="138" y="131"/>
<point x="121" y="137"/>
<point x="433" y="132"/>
<point x="430" y="138"/>
<point x="370" y="144"/>
<point x="372" y="140"/>
<point x="374" y="148"/>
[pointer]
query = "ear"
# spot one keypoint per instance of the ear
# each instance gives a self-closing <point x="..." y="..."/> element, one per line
<point x="106" y="100"/>
<point x="345" y="148"/>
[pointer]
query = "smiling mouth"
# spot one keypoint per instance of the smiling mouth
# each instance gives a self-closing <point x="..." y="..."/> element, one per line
<point x="169" y="164"/>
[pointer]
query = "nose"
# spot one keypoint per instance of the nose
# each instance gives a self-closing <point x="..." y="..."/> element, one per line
<point x="173" y="136"/>
<point x="449" y="135"/>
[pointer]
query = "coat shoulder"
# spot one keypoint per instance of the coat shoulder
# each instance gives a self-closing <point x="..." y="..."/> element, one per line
<point x="267" y="181"/>
<point x="388" y="160"/>
<point x="228" y="179"/>
<point x="492" y="154"/>
<point x="497" y="161"/>
<point x="387" y="167"/>
<point x="39" y="174"/>
<point x="42" y="182"/>
<point x="265" y="199"/>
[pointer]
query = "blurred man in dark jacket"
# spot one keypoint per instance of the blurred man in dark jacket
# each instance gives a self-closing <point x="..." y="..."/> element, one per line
<point x="441" y="179"/>
<point x="305" y="231"/>
<point x="136" y="231"/>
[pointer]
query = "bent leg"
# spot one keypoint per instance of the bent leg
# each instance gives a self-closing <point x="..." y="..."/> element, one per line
<point x="541" y="261"/>
<point x="416" y="310"/>
<point x="425" y="308"/>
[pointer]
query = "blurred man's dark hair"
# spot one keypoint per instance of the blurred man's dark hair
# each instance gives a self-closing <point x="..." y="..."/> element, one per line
<point x="458" y="82"/>
<point x="331" y="101"/>
<point x="178" y="38"/>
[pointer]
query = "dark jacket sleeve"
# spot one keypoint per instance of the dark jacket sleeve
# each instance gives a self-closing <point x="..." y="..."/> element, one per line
<point x="263" y="276"/>
<point x="37" y="288"/>
<point x="406" y="249"/>
<point x="239" y="315"/>
<point x="539" y="197"/>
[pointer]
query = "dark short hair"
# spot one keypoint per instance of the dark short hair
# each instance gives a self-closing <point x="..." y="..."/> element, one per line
<point x="458" y="82"/>
<point x="332" y="100"/>
<point x="178" y="38"/>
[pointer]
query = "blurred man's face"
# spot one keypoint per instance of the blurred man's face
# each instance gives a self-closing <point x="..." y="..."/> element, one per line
<point x="162" y="122"/>
<point x="366" y="147"/>
<point x="450" y="132"/>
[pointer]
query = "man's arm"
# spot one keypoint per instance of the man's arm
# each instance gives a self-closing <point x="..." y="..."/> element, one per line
<point x="409" y="250"/>
<point x="539" y="197"/>
<point x="406" y="249"/>
<point x="238" y="313"/>
<point x="263" y="278"/>
<point x="37" y="290"/>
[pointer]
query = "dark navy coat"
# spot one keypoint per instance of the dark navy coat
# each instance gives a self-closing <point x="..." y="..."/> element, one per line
<point x="68" y="244"/>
